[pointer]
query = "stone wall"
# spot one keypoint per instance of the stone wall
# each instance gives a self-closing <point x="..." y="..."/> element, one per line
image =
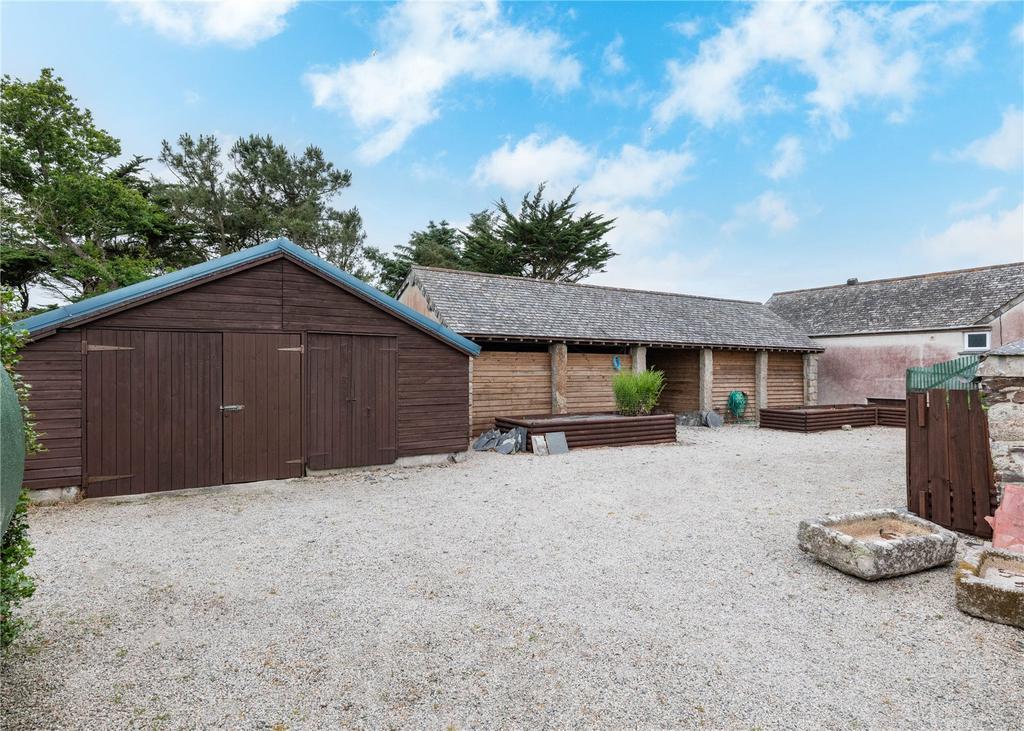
<point x="1002" y="381"/>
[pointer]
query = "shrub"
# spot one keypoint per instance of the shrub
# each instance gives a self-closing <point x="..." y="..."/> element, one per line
<point x="637" y="393"/>
<point x="15" y="584"/>
<point x="15" y="550"/>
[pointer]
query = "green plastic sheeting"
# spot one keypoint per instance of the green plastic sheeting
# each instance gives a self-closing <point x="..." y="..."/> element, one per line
<point x="12" y="447"/>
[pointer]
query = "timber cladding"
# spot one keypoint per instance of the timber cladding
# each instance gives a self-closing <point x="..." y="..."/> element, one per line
<point x="734" y="370"/>
<point x="132" y="401"/>
<point x="682" y="378"/>
<point x="590" y="381"/>
<point x="510" y="383"/>
<point x="785" y="379"/>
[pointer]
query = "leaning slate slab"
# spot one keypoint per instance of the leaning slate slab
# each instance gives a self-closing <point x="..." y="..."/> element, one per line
<point x="557" y="443"/>
<point x="990" y="585"/>
<point x="877" y="544"/>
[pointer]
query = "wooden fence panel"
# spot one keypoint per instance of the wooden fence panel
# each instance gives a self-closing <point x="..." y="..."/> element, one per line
<point x="949" y="468"/>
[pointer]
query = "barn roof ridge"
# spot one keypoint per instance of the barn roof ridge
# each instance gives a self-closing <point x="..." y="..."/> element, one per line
<point x="953" y="300"/>
<point x="557" y="283"/>
<point x="886" y="280"/>
<point x="487" y="306"/>
<point x="92" y="307"/>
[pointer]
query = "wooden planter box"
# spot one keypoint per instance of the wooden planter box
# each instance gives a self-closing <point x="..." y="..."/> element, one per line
<point x="596" y="430"/>
<point x="822" y="418"/>
<point x="891" y="411"/>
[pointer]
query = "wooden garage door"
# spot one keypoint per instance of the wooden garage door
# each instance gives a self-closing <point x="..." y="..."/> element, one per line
<point x="262" y="406"/>
<point x="352" y="407"/>
<point x="152" y="411"/>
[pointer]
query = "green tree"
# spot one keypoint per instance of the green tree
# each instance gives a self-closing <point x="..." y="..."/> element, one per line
<point x="440" y="245"/>
<point x="544" y="240"/>
<point x="64" y="199"/>
<point x="266" y="192"/>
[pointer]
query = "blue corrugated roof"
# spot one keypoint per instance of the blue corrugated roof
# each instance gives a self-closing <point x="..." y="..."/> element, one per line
<point x="69" y="314"/>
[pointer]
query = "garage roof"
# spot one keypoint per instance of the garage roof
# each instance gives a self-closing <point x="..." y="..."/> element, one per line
<point x="78" y="313"/>
<point x="494" y="306"/>
<point x="940" y="301"/>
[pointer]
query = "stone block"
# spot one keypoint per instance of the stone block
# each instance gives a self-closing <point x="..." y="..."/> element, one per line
<point x="990" y="585"/>
<point x="877" y="544"/>
<point x="1006" y="422"/>
<point x="55" y="495"/>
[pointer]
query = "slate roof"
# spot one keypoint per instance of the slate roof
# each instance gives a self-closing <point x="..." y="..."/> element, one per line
<point x="939" y="301"/>
<point x="487" y="305"/>
<point x="1014" y="348"/>
<point x="93" y="307"/>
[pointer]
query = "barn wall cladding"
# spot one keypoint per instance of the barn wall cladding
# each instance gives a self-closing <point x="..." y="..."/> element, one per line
<point x="255" y="366"/>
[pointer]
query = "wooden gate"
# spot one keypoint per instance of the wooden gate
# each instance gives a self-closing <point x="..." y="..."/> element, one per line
<point x="262" y="406"/>
<point x="351" y="407"/>
<point x="949" y="467"/>
<point x="152" y="418"/>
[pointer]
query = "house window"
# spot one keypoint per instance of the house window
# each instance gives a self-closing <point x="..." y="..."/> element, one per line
<point x="976" y="341"/>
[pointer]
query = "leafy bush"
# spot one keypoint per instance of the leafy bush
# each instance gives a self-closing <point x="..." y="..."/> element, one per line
<point x="15" y="584"/>
<point x="637" y="393"/>
<point x="15" y="550"/>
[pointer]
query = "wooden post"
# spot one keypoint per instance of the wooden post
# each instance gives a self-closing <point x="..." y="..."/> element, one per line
<point x="559" y="377"/>
<point x="707" y="378"/>
<point x="638" y="354"/>
<point x="761" y="379"/>
<point x="471" y="398"/>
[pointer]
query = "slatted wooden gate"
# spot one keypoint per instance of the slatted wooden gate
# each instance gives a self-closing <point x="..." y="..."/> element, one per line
<point x="949" y="467"/>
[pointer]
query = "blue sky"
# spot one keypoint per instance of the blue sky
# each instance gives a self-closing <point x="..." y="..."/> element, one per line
<point x="744" y="148"/>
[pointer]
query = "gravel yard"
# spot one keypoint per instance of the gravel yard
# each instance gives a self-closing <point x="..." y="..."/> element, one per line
<point x="645" y="586"/>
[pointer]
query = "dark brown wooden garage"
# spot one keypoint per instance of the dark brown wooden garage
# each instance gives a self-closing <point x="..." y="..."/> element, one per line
<point x="259" y="365"/>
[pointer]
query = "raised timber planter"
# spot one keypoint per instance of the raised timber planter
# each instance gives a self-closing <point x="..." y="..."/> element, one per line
<point x="596" y="430"/>
<point x="822" y="418"/>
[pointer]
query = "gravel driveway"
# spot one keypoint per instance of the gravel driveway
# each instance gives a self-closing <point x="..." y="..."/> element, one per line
<point x="645" y="586"/>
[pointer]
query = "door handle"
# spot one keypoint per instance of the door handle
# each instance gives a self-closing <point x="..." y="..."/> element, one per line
<point x="232" y="407"/>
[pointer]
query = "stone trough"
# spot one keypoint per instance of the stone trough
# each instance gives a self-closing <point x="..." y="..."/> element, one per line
<point x="990" y="585"/>
<point x="877" y="544"/>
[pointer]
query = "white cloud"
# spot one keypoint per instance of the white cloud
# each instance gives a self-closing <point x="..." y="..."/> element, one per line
<point x="852" y="54"/>
<point x="1003" y="149"/>
<point x="960" y="56"/>
<point x="238" y="23"/>
<point x="985" y="238"/>
<point x="636" y="172"/>
<point x="686" y="28"/>
<point x="1018" y="32"/>
<point x="789" y="158"/>
<point x="530" y="161"/>
<point x="612" y="59"/>
<point x="631" y="173"/>
<point x="977" y="204"/>
<point x="426" y="48"/>
<point x="769" y="209"/>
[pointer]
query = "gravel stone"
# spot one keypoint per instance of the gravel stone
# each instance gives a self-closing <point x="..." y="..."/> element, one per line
<point x="654" y="586"/>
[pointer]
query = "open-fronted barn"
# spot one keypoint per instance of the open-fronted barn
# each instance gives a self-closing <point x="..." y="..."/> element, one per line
<point x="254" y="366"/>
<point x="553" y="347"/>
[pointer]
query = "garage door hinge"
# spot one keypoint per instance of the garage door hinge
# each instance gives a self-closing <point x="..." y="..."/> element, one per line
<point x="296" y="349"/>
<point x="106" y="478"/>
<point x="87" y="348"/>
<point x="295" y="461"/>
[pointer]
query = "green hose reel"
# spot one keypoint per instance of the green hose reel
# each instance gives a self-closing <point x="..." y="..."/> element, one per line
<point x="737" y="404"/>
